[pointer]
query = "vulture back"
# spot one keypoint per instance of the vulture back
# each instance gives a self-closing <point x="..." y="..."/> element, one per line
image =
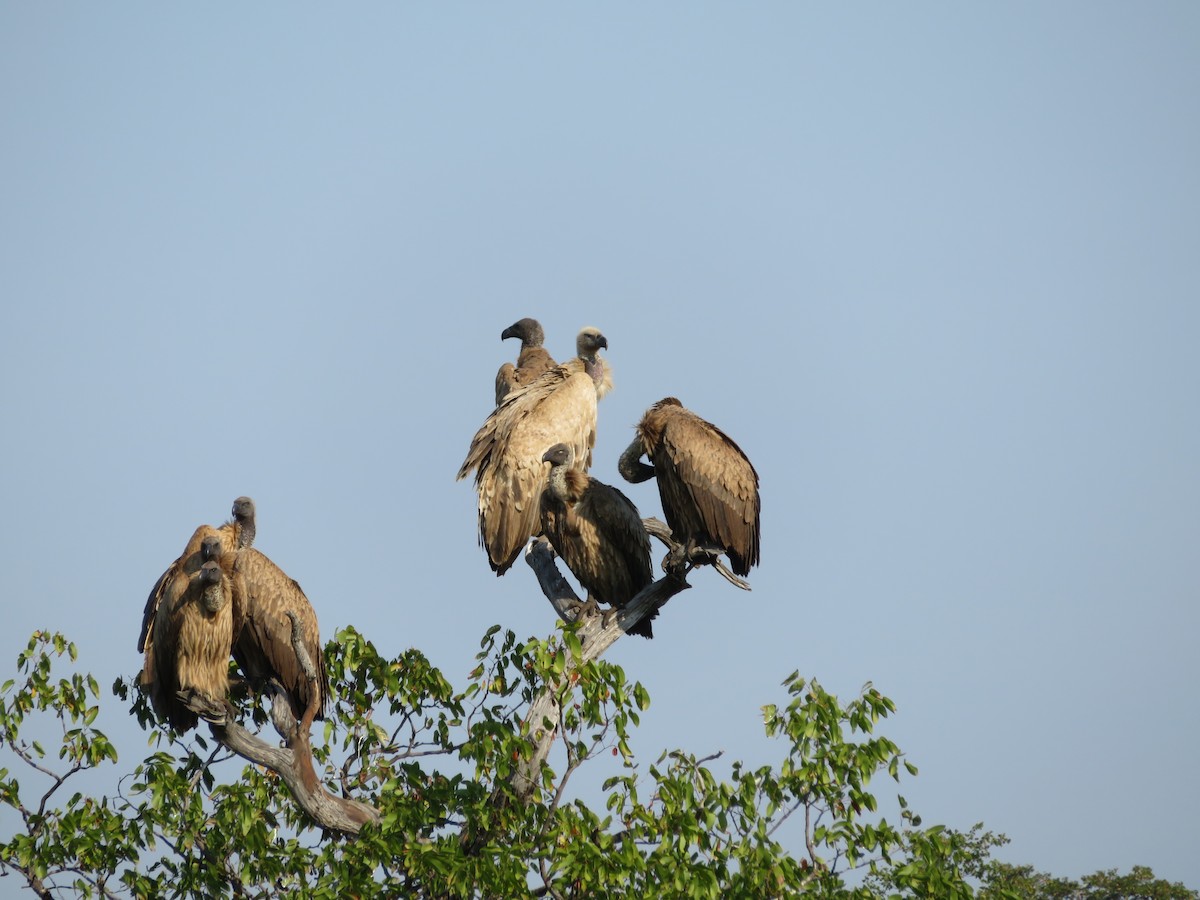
<point x="263" y="648"/>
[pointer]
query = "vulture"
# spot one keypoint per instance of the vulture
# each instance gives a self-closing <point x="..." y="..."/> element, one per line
<point x="238" y="532"/>
<point x="708" y="488"/>
<point x="532" y="360"/>
<point x="193" y="634"/>
<point x="506" y="453"/>
<point x="598" y="533"/>
<point x="263" y="648"/>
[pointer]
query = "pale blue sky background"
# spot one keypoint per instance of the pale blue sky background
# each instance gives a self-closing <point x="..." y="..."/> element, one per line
<point x="936" y="267"/>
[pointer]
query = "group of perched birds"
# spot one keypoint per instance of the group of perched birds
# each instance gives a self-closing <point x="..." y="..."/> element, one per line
<point x="532" y="455"/>
<point x="223" y="598"/>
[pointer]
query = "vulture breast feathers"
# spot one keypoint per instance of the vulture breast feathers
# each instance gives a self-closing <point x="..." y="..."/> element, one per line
<point x="263" y="649"/>
<point x="708" y="488"/>
<point x="598" y="533"/>
<point x="506" y="453"/>
<point x="532" y="360"/>
<point x="193" y="631"/>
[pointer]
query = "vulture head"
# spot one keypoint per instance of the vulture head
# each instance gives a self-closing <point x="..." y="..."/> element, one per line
<point x="559" y="455"/>
<point x="212" y="597"/>
<point x="528" y="330"/>
<point x="588" y="342"/>
<point x="588" y="345"/>
<point x="210" y="548"/>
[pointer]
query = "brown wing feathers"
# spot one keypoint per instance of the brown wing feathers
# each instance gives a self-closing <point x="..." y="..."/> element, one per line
<point x="708" y="487"/>
<point x="263" y="649"/>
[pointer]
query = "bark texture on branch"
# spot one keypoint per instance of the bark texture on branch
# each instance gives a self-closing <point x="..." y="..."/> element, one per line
<point x="293" y="763"/>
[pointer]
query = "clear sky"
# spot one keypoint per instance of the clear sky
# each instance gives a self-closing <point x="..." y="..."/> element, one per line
<point x="936" y="267"/>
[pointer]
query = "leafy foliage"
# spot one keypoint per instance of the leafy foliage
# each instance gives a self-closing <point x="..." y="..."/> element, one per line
<point x="436" y="761"/>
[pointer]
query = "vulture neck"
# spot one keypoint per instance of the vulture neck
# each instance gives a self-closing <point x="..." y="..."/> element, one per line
<point x="567" y="484"/>
<point x="630" y="465"/>
<point x="600" y="373"/>
<point x="213" y="598"/>
<point x="245" y="533"/>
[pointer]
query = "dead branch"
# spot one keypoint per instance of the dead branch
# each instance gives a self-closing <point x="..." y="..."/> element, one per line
<point x="293" y="763"/>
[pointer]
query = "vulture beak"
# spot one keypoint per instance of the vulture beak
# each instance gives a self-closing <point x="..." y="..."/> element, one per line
<point x="510" y="331"/>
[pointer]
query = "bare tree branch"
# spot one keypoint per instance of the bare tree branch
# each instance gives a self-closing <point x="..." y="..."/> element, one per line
<point x="294" y="765"/>
<point x="595" y="635"/>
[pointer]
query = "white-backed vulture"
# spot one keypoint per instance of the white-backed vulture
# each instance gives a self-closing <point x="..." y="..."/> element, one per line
<point x="236" y="533"/>
<point x="598" y="533"/>
<point x="193" y="636"/>
<point x="532" y="360"/>
<point x="708" y="488"/>
<point x="263" y="648"/>
<point x="506" y="452"/>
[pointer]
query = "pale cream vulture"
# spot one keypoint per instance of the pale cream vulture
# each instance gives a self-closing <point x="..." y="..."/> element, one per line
<point x="598" y="533"/>
<point x="532" y="360"/>
<point x="506" y="452"/>
<point x="708" y="488"/>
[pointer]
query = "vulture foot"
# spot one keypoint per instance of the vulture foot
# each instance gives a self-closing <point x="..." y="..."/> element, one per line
<point x="211" y="710"/>
<point x="584" y="609"/>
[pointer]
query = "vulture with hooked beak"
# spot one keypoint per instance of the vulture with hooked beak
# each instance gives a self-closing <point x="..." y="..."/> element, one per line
<point x="193" y="634"/>
<point x="598" y="533"/>
<point x="532" y="360"/>
<point x="506" y="452"/>
<point x="708" y="488"/>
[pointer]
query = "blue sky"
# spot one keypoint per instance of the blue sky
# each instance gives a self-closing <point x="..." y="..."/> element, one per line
<point x="934" y="266"/>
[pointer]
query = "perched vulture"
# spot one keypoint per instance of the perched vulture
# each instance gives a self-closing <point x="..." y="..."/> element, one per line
<point x="260" y="631"/>
<point x="532" y="361"/>
<point x="238" y="532"/>
<point x="506" y="452"/>
<point x="193" y="636"/>
<point x="263" y="648"/>
<point x="598" y="533"/>
<point x="708" y="487"/>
